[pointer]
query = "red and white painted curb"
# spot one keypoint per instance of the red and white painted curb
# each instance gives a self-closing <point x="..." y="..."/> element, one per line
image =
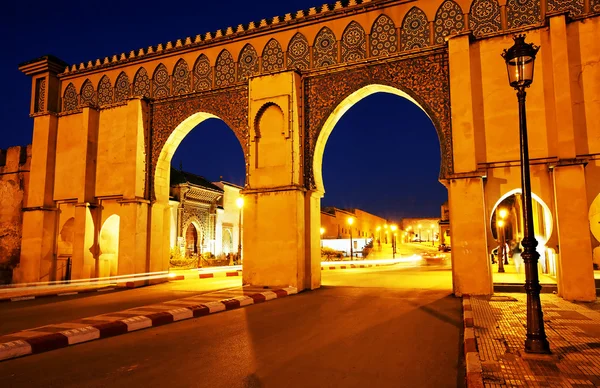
<point x="473" y="363"/>
<point x="68" y="337"/>
<point x="57" y="293"/>
<point x="348" y="266"/>
<point x="204" y="275"/>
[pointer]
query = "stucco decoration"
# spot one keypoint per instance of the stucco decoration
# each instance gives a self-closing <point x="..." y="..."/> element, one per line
<point x="160" y="82"/>
<point x="40" y="103"/>
<point x="87" y="94"/>
<point x="272" y="57"/>
<point x="181" y="78"/>
<point x="325" y="49"/>
<point x="298" y="53"/>
<point x="141" y="83"/>
<point x="575" y="7"/>
<point x="231" y="105"/>
<point x="247" y="63"/>
<point x="484" y="17"/>
<point x="122" y="87"/>
<point x="415" y="30"/>
<point x="595" y="5"/>
<point x="202" y="74"/>
<point x="522" y="13"/>
<point x="105" y="91"/>
<point x="425" y="78"/>
<point x="354" y="43"/>
<point x="70" y="98"/>
<point x="449" y="20"/>
<point x="224" y="70"/>
<point x="384" y="39"/>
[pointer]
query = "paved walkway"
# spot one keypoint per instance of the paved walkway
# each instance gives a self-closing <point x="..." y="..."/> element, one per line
<point x="498" y="325"/>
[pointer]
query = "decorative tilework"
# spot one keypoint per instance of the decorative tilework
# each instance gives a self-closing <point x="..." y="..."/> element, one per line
<point x="415" y="30"/>
<point x="484" y="17"/>
<point x="575" y="7"/>
<point x="247" y="62"/>
<point x="40" y="91"/>
<point x="324" y="49"/>
<point x="449" y="20"/>
<point x="70" y="98"/>
<point x="122" y="87"/>
<point x="595" y="5"/>
<point x="202" y="74"/>
<point x="224" y="70"/>
<point x="181" y="78"/>
<point x="105" y="91"/>
<point x="87" y="94"/>
<point x="298" y="53"/>
<point x="272" y="56"/>
<point x="522" y="13"/>
<point x="160" y="82"/>
<point x="384" y="40"/>
<point x="141" y="83"/>
<point x="354" y="43"/>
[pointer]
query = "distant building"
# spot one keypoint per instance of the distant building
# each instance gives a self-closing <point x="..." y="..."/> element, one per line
<point x="421" y="229"/>
<point x="335" y="223"/>
<point x="204" y="216"/>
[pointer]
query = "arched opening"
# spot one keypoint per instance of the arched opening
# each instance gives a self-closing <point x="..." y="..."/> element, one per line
<point x="507" y="227"/>
<point x="65" y="249"/>
<point x="108" y="242"/>
<point x="199" y="175"/>
<point x="381" y="170"/>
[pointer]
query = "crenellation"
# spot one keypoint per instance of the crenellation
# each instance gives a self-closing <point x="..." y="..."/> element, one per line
<point x="263" y="23"/>
<point x="159" y="48"/>
<point x="122" y="57"/>
<point x="240" y="28"/>
<point x="251" y="26"/>
<point x="275" y="20"/>
<point x="218" y="34"/>
<point x="299" y="14"/>
<point x="169" y="45"/>
<point x="106" y="61"/>
<point x="90" y="64"/>
<point x="178" y="43"/>
<point x="97" y="63"/>
<point x="287" y="17"/>
<point x="198" y="39"/>
<point x="131" y="54"/>
<point x="208" y="36"/>
<point x="229" y="31"/>
<point x="81" y="66"/>
<point x="324" y="8"/>
<point x="312" y="11"/>
<point x="338" y="5"/>
<point x="351" y="3"/>
<point x="140" y="52"/>
<point x="188" y="41"/>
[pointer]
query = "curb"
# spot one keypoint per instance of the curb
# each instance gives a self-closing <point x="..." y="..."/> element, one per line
<point x="69" y="337"/>
<point x="472" y="361"/>
<point x="207" y="275"/>
<point x="61" y="293"/>
<point x="348" y="266"/>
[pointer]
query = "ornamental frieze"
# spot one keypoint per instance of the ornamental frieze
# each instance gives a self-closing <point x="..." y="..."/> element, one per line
<point x="425" y="78"/>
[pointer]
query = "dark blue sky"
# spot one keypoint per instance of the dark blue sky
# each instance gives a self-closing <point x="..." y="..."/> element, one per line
<point x="383" y="156"/>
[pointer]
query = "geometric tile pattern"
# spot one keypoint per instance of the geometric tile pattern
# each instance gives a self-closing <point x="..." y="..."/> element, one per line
<point x="298" y="53"/>
<point x="70" y="98"/>
<point x="224" y="69"/>
<point x="141" y="83"/>
<point x="122" y="87"/>
<point x="160" y="82"/>
<point x="383" y="38"/>
<point x="573" y="332"/>
<point x="354" y="43"/>
<point x="415" y="30"/>
<point x="181" y="78"/>
<point x="595" y="5"/>
<point x="87" y="94"/>
<point x="325" y="49"/>
<point x="522" y="13"/>
<point x="247" y="63"/>
<point x="105" y="91"/>
<point x="576" y="7"/>
<point x="449" y="20"/>
<point x="202" y="74"/>
<point x="484" y="17"/>
<point x="272" y="56"/>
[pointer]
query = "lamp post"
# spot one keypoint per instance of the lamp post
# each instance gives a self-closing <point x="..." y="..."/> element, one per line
<point x="394" y="227"/>
<point x="409" y="228"/>
<point x="322" y="233"/>
<point x="520" y="60"/>
<point x="379" y="237"/>
<point x="420" y="237"/>
<point x="432" y="236"/>
<point x="350" y="222"/>
<point x="240" y="204"/>
<point x="385" y="226"/>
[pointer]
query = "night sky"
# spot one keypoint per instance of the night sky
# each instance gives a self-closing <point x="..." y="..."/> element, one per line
<point x="383" y="156"/>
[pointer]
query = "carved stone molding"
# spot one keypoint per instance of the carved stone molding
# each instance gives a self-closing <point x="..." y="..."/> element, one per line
<point x="425" y="78"/>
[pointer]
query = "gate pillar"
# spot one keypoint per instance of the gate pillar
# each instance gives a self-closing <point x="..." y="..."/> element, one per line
<point x="279" y="213"/>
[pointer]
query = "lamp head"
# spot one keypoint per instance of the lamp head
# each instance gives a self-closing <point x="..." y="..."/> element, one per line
<point x="239" y="202"/>
<point x="520" y="59"/>
<point x="350" y="220"/>
<point x="322" y="231"/>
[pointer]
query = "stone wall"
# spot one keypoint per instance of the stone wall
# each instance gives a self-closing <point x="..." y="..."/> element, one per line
<point x="14" y="179"/>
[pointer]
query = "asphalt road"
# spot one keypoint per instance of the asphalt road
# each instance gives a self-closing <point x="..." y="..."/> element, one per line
<point x="380" y="328"/>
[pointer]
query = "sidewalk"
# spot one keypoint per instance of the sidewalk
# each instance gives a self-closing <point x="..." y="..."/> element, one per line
<point x="495" y="333"/>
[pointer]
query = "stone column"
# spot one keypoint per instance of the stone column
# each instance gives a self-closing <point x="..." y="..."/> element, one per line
<point x="133" y="237"/>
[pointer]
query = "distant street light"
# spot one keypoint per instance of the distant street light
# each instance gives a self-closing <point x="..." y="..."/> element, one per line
<point x="501" y="253"/>
<point x="350" y="222"/>
<point x="385" y="226"/>
<point x="394" y="227"/>
<point x="420" y="237"/>
<point x="432" y="237"/>
<point x="322" y="232"/>
<point x="520" y="61"/>
<point x="379" y="236"/>
<point x="240" y="204"/>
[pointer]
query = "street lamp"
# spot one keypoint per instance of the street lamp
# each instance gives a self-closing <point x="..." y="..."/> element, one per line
<point x="322" y="232"/>
<point x="432" y="237"/>
<point x="500" y="232"/>
<point x="240" y="204"/>
<point x="379" y="236"/>
<point x="394" y="227"/>
<point x="520" y="60"/>
<point x="350" y="222"/>
<point x="385" y="226"/>
<point x="420" y="237"/>
<point x="503" y="213"/>
<point x="409" y="229"/>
